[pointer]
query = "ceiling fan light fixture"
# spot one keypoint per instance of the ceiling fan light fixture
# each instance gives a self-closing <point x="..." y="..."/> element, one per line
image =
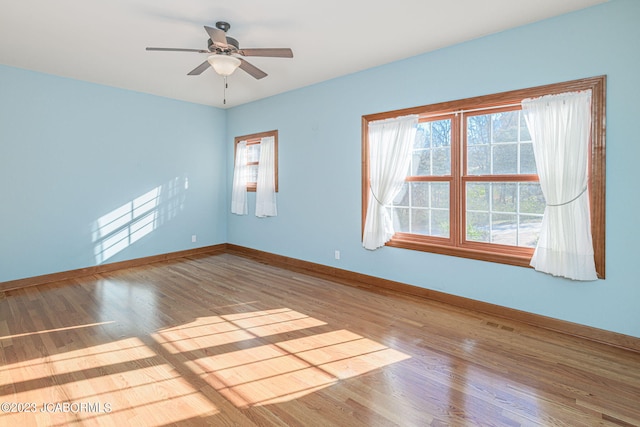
<point x="224" y="65"/>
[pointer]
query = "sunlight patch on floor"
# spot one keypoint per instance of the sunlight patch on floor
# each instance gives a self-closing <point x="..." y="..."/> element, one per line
<point x="185" y="372"/>
<point x="126" y="379"/>
<point x="277" y="372"/>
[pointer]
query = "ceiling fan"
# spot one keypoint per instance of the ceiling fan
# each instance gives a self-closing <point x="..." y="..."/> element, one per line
<point x="225" y="54"/>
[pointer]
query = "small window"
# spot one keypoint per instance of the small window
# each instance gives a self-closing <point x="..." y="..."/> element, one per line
<point x="253" y="156"/>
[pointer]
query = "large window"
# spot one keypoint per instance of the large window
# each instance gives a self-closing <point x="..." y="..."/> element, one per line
<point x="472" y="188"/>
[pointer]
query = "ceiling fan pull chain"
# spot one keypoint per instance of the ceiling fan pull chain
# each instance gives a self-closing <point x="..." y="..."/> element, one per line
<point x="224" y="101"/>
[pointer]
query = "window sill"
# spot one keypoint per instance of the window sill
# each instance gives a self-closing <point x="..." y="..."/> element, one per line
<point x="502" y="254"/>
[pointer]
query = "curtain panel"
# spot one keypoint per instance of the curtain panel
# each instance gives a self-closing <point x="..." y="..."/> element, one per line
<point x="560" y="129"/>
<point x="240" y="178"/>
<point x="266" y="184"/>
<point x="390" y="145"/>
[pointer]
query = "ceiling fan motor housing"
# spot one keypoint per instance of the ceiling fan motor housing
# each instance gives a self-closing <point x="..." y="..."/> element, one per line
<point x="233" y="45"/>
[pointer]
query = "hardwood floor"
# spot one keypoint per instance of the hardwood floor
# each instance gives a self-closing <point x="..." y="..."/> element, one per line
<point x="226" y="341"/>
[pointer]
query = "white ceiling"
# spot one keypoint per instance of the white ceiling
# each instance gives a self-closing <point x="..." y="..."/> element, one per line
<point x="103" y="41"/>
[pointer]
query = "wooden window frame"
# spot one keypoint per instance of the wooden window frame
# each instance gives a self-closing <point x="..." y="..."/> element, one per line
<point x="256" y="139"/>
<point x="456" y="244"/>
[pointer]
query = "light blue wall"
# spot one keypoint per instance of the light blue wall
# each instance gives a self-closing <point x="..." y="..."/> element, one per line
<point x="73" y="153"/>
<point x="319" y="159"/>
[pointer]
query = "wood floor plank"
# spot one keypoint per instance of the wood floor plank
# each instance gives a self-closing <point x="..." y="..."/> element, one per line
<point x="224" y="340"/>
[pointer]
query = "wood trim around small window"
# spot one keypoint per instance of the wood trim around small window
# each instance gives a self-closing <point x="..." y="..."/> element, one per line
<point x="499" y="253"/>
<point x="255" y="138"/>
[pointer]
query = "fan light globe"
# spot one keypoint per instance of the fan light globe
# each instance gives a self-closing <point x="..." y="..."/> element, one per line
<point x="224" y="65"/>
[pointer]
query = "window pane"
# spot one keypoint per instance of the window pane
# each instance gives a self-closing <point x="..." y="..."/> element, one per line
<point x="420" y="194"/>
<point x="253" y="153"/>
<point x="529" y="230"/>
<point x="515" y="230"/>
<point x="499" y="144"/>
<point x="430" y="208"/>
<point x="441" y="161"/>
<point x="420" y="221"/>
<point x="478" y="162"/>
<point x="439" y="194"/>
<point x="527" y="160"/>
<point x="430" y="222"/>
<point x="423" y="136"/>
<point x="421" y="162"/>
<point x="252" y="171"/>
<point x="524" y="130"/>
<point x="505" y="126"/>
<point x="506" y="213"/>
<point x="441" y="133"/>
<point x="504" y="229"/>
<point x="504" y="196"/>
<point x="478" y="226"/>
<point x="401" y="220"/>
<point x="478" y="130"/>
<point x="440" y="223"/>
<point x="422" y="208"/>
<point x="531" y="199"/>
<point x="478" y="197"/>
<point x="505" y="159"/>
<point x="432" y="149"/>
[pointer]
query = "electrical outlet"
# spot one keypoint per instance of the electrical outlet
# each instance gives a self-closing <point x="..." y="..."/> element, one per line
<point x="194" y="239"/>
<point x="337" y="254"/>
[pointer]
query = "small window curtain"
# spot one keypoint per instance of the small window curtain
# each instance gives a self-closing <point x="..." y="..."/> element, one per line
<point x="390" y="145"/>
<point x="559" y="126"/>
<point x="240" y="178"/>
<point x="266" y="184"/>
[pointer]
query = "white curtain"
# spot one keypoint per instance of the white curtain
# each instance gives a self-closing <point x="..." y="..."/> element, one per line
<point x="266" y="184"/>
<point x="390" y="145"/>
<point x="559" y="126"/>
<point x="240" y="178"/>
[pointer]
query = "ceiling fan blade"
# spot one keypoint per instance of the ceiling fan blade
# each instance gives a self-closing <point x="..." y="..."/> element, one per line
<point x="218" y="37"/>
<point x="251" y="69"/>
<point x="199" y="69"/>
<point x="275" y="52"/>
<point x="177" y="49"/>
